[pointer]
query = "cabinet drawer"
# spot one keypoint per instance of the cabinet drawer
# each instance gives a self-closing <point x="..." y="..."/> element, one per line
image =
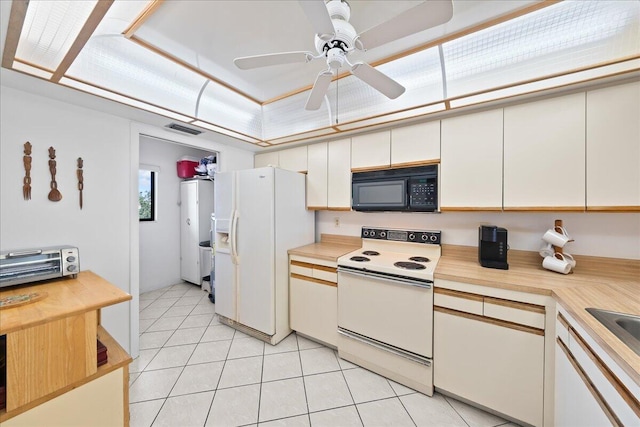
<point x="456" y="300"/>
<point x="562" y="329"/>
<point x="325" y="273"/>
<point x="516" y="312"/>
<point x="302" y="268"/>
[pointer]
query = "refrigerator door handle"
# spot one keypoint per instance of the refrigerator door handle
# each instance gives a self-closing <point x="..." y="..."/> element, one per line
<point x="234" y="239"/>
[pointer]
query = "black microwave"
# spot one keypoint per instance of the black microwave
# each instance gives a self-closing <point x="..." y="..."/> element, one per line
<point x="407" y="190"/>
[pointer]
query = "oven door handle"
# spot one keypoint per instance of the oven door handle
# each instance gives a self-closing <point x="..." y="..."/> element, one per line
<point x="393" y="280"/>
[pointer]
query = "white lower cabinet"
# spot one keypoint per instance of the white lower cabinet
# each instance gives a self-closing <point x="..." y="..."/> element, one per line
<point x="313" y="299"/>
<point x="492" y="365"/>
<point x="575" y="403"/>
<point x="590" y="389"/>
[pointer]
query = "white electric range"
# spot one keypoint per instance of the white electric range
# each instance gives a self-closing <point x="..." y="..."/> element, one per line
<point x="385" y="304"/>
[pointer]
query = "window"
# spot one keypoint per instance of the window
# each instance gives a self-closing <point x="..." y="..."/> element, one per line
<point x="146" y="195"/>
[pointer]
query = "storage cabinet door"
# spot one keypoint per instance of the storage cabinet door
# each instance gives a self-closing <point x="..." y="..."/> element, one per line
<point x="266" y="159"/>
<point x="575" y="404"/>
<point x="613" y="148"/>
<point x="293" y="159"/>
<point x="471" y="163"/>
<point x="314" y="310"/>
<point x="495" y="366"/>
<point x="339" y="170"/>
<point x="189" y="233"/>
<point x="371" y="151"/>
<point x="544" y="154"/>
<point x="317" y="176"/>
<point x="415" y="145"/>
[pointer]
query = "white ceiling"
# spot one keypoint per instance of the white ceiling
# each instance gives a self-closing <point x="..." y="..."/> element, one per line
<point x="210" y="34"/>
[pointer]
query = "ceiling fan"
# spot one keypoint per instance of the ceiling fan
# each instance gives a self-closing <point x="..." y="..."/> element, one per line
<point x="336" y="39"/>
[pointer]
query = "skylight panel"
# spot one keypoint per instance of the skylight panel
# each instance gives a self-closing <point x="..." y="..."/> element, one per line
<point x="128" y="69"/>
<point x="49" y="30"/>
<point x="557" y="39"/>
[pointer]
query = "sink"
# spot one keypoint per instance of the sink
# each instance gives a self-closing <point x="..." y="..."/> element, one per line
<point x="625" y="326"/>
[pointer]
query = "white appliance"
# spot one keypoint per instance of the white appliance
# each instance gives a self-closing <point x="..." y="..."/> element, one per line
<point x="385" y="304"/>
<point x="260" y="215"/>
<point x="196" y="206"/>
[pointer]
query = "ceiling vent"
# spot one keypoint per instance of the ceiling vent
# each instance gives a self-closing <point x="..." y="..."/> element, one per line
<point x="183" y="129"/>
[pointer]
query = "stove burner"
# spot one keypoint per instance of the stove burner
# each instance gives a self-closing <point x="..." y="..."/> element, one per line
<point x="409" y="265"/>
<point x="371" y="253"/>
<point x="419" y="259"/>
<point x="359" y="258"/>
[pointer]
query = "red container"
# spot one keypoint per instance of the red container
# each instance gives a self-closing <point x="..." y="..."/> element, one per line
<point x="187" y="167"/>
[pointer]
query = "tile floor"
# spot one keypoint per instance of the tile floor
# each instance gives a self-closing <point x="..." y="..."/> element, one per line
<point x="194" y="371"/>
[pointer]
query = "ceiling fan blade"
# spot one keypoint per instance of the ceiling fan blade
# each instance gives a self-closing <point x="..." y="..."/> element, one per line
<point x="418" y="18"/>
<point x="318" y="15"/>
<point x="319" y="90"/>
<point x="257" y="61"/>
<point x="377" y="80"/>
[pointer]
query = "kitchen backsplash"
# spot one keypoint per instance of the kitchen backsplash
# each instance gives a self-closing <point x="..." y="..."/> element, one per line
<point x="597" y="234"/>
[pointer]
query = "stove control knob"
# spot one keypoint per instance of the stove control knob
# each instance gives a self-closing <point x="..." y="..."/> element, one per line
<point x="383" y="234"/>
<point x="424" y="237"/>
<point x="72" y="268"/>
<point x="71" y="258"/>
<point x="412" y="236"/>
<point x="433" y="237"/>
<point x="365" y="232"/>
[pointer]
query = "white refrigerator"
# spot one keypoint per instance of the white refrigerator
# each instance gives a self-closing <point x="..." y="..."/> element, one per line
<point x="260" y="215"/>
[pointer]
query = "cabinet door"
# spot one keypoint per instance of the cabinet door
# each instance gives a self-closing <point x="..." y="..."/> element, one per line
<point x="613" y="148"/>
<point x="371" y="151"/>
<point x="544" y="155"/>
<point x="471" y="164"/>
<point x="189" y="238"/>
<point x="266" y="159"/>
<point x="495" y="366"/>
<point x="575" y="403"/>
<point x="314" y="309"/>
<point x="415" y="145"/>
<point x="317" y="176"/>
<point x="339" y="175"/>
<point x="293" y="159"/>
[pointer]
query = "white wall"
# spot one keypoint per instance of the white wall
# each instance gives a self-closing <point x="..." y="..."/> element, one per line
<point x="106" y="230"/>
<point x="615" y="235"/>
<point x="101" y="229"/>
<point x="160" y="239"/>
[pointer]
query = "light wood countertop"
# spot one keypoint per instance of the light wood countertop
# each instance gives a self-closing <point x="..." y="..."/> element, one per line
<point x="330" y="248"/>
<point x="605" y="283"/>
<point x="65" y="297"/>
<point x="620" y="297"/>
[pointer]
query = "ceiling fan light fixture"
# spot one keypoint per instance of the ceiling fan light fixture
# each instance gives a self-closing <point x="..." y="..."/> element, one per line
<point x="339" y="9"/>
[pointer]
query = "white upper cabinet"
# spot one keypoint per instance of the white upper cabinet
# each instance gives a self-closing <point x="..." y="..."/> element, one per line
<point x="544" y="154"/>
<point x="266" y="159"/>
<point x="294" y="159"/>
<point x="471" y="163"/>
<point x="339" y="174"/>
<point x="317" y="176"/>
<point x="613" y="148"/>
<point x="371" y="151"/>
<point x="415" y="145"/>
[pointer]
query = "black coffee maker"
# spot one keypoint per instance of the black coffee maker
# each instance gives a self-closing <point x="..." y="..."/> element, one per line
<point x="492" y="247"/>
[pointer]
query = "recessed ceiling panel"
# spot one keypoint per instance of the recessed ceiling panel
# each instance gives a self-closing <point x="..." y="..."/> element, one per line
<point x="49" y="30"/>
<point x="124" y="67"/>
<point x="557" y="39"/>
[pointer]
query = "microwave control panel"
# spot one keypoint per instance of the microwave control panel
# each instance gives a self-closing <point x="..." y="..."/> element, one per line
<point x="423" y="193"/>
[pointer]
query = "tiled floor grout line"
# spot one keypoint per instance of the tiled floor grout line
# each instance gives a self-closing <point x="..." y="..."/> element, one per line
<point x="456" y="411"/>
<point x="355" y="405"/>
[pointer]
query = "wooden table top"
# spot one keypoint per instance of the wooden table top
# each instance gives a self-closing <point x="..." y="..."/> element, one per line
<point x="65" y="297"/>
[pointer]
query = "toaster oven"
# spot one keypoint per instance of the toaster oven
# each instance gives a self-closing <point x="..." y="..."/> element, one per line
<point x="32" y="265"/>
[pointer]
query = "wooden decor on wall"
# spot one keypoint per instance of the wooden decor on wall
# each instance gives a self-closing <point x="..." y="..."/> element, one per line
<point x="80" y="179"/>
<point x="54" y="194"/>
<point x="26" y="160"/>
